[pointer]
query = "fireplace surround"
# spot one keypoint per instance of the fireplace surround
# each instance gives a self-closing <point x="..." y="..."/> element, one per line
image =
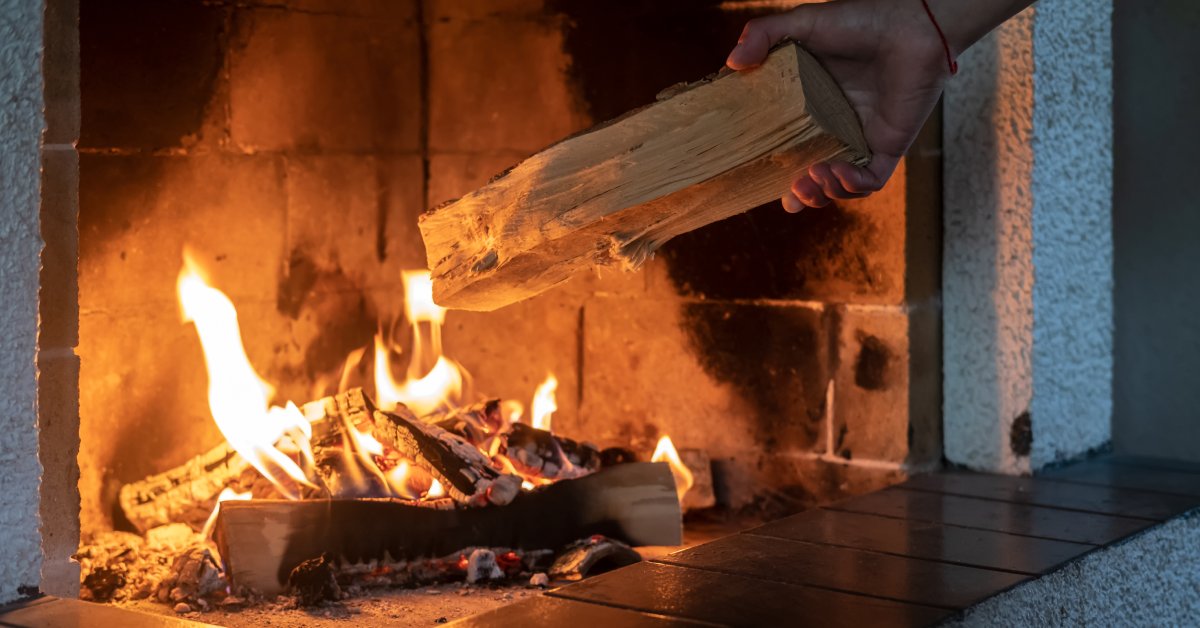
<point x="293" y="143"/>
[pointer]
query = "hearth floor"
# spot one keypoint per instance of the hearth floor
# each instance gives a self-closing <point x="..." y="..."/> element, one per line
<point x="910" y="555"/>
<point x="915" y="554"/>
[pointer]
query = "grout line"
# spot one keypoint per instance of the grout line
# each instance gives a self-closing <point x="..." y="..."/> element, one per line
<point x="835" y="507"/>
<point x="557" y="593"/>
<point x="805" y="585"/>
<point x="918" y="489"/>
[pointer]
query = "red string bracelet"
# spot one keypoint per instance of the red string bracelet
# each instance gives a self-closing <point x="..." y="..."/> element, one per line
<point x="945" y="44"/>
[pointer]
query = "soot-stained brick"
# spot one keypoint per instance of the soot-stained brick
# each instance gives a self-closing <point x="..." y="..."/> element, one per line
<point x="871" y="365"/>
<point x="774" y="357"/>
<point x="1020" y="436"/>
<point x="148" y="70"/>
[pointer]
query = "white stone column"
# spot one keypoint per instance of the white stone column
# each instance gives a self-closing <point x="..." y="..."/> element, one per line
<point x="21" y="123"/>
<point x="1027" y="266"/>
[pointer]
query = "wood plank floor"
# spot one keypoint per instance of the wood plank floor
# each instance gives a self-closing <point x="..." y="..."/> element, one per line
<point x="910" y="555"/>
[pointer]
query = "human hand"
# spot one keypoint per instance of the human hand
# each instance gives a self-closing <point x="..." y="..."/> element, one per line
<point x="889" y="61"/>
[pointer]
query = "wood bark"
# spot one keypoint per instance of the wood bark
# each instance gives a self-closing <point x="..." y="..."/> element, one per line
<point x="262" y="541"/>
<point x="612" y="195"/>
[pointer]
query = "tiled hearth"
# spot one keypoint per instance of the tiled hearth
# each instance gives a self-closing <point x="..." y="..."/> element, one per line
<point x="917" y="554"/>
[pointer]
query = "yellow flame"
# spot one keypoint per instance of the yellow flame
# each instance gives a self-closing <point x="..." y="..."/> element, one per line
<point x="227" y="494"/>
<point x="441" y="386"/>
<point x="435" y="490"/>
<point x="665" y="452"/>
<point x="423" y="391"/>
<point x="544" y="403"/>
<point x="237" y="397"/>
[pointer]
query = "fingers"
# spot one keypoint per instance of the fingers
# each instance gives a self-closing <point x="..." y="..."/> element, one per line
<point x="761" y="33"/>
<point x="825" y="182"/>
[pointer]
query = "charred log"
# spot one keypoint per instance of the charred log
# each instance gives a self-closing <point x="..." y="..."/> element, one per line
<point x="186" y="494"/>
<point x="633" y="503"/>
<point x="539" y="454"/>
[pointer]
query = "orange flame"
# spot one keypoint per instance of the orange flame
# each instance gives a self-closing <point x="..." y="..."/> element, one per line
<point x="424" y="392"/>
<point x="227" y="494"/>
<point x="665" y="452"/>
<point x="237" y="397"/>
<point x="544" y="403"/>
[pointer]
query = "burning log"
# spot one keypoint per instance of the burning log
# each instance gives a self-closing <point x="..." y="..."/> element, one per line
<point x="614" y="194"/>
<point x="465" y="472"/>
<point x="185" y="494"/>
<point x="262" y="541"/>
<point x="539" y="454"/>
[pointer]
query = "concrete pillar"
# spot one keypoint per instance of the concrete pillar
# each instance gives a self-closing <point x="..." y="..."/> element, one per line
<point x="1027" y="266"/>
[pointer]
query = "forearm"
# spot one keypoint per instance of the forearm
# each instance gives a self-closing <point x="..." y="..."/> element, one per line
<point x="967" y="21"/>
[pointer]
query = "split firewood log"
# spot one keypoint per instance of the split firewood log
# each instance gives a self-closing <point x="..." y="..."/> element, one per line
<point x="612" y="195"/>
<point x="185" y="494"/>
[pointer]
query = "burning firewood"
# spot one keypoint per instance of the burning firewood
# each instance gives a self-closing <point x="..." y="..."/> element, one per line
<point x="465" y="472"/>
<point x="185" y="494"/>
<point x="634" y="503"/>
<point x="614" y="194"/>
<point x="539" y="454"/>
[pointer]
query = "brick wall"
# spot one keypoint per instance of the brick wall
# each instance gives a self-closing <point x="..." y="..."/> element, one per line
<point x="292" y="143"/>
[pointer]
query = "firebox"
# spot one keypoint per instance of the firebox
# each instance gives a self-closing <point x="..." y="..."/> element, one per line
<point x="274" y="155"/>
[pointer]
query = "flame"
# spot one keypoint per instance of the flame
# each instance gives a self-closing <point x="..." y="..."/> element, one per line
<point x="424" y="392"/>
<point x="237" y="397"/>
<point x="227" y="494"/>
<point x="665" y="452"/>
<point x="435" y="490"/>
<point x="544" y="403"/>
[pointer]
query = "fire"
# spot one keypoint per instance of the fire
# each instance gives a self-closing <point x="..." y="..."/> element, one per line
<point x="238" y="398"/>
<point x="665" y="452"/>
<point x="424" y="392"/>
<point x="227" y="494"/>
<point x="544" y="403"/>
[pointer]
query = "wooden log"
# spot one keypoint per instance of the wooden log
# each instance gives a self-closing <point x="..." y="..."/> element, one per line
<point x="539" y="454"/>
<point x="185" y="494"/>
<point x="612" y="195"/>
<point x="465" y="472"/>
<point x="262" y="541"/>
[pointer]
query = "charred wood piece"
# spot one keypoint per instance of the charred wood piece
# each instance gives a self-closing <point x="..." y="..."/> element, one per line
<point x="591" y="556"/>
<point x="617" y="455"/>
<point x="474" y="423"/>
<point x="465" y="472"/>
<point x="185" y="494"/>
<point x="313" y="582"/>
<point x="539" y="454"/>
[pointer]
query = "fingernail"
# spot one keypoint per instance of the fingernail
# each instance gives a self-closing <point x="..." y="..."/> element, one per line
<point x="792" y="205"/>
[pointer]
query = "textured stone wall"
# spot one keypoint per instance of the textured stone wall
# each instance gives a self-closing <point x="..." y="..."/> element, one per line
<point x="1028" y="247"/>
<point x="21" y="125"/>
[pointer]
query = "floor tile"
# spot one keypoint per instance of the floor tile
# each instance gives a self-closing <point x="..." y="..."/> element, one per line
<point x="64" y="613"/>
<point x="933" y="541"/>
<point x="554" y="611"/>
<point x="1047" y="492"/>
<point x="1046" y="523"/>
<point x="1103" y="473"/>
<point x="898" y="578"/>
<point x="738" y="601"/>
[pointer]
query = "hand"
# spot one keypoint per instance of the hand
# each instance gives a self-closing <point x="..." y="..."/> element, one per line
<point x="889" y="61"/>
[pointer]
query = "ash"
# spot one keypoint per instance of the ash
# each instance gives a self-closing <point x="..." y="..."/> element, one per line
<point x="175" y="569"/>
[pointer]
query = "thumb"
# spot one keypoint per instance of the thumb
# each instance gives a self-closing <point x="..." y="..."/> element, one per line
<point x="761" y="33"/>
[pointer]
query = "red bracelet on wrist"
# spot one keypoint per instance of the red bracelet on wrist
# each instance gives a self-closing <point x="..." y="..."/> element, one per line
<point x="945" y="44"/>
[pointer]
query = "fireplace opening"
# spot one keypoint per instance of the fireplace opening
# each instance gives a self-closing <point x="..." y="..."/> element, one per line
<point x="257" y="331"/>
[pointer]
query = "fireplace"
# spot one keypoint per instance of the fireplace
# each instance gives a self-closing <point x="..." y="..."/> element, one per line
<point x="290" y="146"/>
